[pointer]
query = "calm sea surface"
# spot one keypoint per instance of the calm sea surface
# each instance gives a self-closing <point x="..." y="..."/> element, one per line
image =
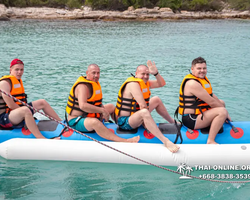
<point x="55" y="53"/>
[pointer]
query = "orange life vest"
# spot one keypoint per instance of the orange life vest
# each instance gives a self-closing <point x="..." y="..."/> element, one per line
<point x="95" y="99"/>
<point x="132" y="105"/>
<point x="193" y="102"/>
<point x="17" y="90"/>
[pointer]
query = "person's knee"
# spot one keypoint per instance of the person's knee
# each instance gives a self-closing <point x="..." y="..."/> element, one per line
<point x="156" y="100"/>
<point x="144" y="113"/>
<point x="25" y="110"/>
<point x="94" y="122"/>
<point x="223" y="102"/>
<point x="43" y="102"/>
<point x="223" y="112"/>
<point x="110" y="107"/>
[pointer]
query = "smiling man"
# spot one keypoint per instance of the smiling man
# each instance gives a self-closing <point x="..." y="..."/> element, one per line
<point x="198" y="105"/>
<point x="134" y="105"/>
<point x="12" y="113"/>
<point x="85" y="109"/>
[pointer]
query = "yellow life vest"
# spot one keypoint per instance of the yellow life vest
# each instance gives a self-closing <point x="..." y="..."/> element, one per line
<point x="193" y="102"/>
<point x="17" y="90"/>
<point x="131" y="103"/>
<point x="95" y="99"/>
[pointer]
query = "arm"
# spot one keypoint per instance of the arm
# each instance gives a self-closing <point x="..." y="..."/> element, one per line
<point x="197" y="90"/>
<point x="159" y="82"/>
<point x="82" y="92"/>
<point x="135" y="90"/>
<point x="5" y="86"/>
<point x="105" y="114"/>
<point x="224" y="104"/>
<point x="215" y="96"/>
<point x="219" y="100"/>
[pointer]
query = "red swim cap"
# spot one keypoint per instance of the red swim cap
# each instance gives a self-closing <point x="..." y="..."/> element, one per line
<point x="16" y="61"/>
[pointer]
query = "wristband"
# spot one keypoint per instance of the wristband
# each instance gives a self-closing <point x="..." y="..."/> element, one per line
<point x="156" y="74"/>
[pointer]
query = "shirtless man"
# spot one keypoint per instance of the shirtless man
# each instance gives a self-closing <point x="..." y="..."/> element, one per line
<point x="134" y="105"/>
<point x="14" y="114"/>
<point x="85" y="109"/>
<point x="198" y="105"/>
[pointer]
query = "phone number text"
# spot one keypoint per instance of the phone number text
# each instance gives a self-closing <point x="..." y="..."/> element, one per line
<point x="225" y="176"/>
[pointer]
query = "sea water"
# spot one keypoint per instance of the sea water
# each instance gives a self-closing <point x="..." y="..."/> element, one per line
<point x="57" y="52"/>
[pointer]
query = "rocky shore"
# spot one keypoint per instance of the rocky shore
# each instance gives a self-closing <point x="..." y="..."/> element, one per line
<point x="143" y="14"/>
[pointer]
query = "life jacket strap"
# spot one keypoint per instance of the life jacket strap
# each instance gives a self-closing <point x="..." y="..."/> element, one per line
<point x="178" y="134"/>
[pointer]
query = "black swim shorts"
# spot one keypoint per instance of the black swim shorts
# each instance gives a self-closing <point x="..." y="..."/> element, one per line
<point x="189" y="120"/>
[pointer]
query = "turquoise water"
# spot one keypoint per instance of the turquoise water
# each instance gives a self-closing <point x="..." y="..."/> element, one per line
<point x="55" y="53"/>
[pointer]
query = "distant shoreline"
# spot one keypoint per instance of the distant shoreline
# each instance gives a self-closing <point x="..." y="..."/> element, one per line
<point x="141" y="14"/>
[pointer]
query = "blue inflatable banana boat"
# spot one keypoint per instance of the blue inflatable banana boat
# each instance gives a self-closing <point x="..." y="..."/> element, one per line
<point x="233" y="133"/>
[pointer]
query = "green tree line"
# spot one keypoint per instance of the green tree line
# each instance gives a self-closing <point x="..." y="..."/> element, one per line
<point x="175" y="5"/>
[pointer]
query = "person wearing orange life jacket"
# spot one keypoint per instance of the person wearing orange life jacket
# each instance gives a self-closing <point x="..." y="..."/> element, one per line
<point x="134" y="105"/>
<point x="198" y="105"/>
<point x="85" y="109"/>
<point x="12" y="113"/>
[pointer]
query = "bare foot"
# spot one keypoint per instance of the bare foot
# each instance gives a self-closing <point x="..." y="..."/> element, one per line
<point x="171" y="146"/>
<point x="134" y="139"/>
<point x="57" y="138"/>
<point x="211" y="142"/>
<point x="173" y="122"/>
<point x="178" y="123"/>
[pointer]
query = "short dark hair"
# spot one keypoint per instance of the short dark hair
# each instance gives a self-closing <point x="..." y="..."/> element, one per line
<point x="198" y="60"/>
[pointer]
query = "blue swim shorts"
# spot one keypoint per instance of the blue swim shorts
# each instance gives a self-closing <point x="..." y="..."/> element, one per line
<point x="122" y="122"/>
<point x="78" y="124"/>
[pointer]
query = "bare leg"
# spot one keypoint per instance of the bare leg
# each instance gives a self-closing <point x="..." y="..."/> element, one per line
<point x="47" y="109"/>
<point x="214" y="117"/>
<point x="94" y="124"/>
<point x="111" y="109"/>
<point x="144" y="116"/>
<point x="156" y="103"/>
<point x="23" y="113"/>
